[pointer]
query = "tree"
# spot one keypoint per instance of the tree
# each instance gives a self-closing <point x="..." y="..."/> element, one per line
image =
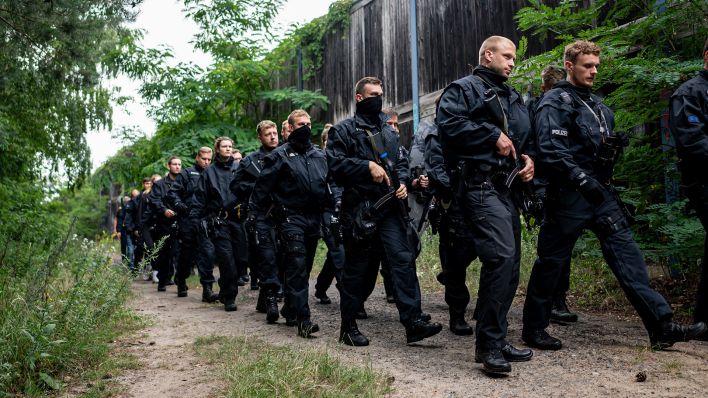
<point x="649" y="49"/>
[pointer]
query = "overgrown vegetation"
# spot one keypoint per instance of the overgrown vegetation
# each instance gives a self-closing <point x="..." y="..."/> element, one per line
<point x="649" y="49"/>
<point x="254" y="368"/>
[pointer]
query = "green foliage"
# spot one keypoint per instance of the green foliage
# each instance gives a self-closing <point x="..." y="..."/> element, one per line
<point x="309" y="38"/>
<point x="648" y="50"/>
<point x="62" y="300"/>
<point x="253" y="368"/>
<point x="51" y="57"/>
<point x="195" y="106"/>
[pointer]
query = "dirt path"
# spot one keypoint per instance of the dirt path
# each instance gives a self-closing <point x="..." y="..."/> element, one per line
<point x="602" y="357"/>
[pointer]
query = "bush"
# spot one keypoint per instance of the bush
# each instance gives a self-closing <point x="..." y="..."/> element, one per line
<point x="62" y="302"/>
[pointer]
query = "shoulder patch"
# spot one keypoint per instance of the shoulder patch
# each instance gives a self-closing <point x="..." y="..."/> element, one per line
<point x="693" y="119"/>
<point x="566" y="98"/>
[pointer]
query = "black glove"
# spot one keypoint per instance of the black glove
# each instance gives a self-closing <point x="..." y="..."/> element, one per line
<point x="250" y="223"/>
<point x="591" y="189"/>
<point x="182" y="208"/>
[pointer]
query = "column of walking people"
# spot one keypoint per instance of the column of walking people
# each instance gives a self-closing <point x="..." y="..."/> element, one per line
<point x="485" y="159"/>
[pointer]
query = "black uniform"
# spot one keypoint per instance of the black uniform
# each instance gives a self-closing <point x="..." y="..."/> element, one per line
<point x="133" y="221"/>
<point x="195" y="248"/>
<point x="126" y="243"/>
<point x="349" y="151"/>
<point x="164" y="228"/>
<point x="214" y="203"/>
<point x="688" y="119"/>
<point x="572" y="125"/>
<point x="456" y="246"/>
<point x="293" y="184"/>
<point x="242" y="186"/>
<point x="468" y="134"/>
<point x="334" y="262"/>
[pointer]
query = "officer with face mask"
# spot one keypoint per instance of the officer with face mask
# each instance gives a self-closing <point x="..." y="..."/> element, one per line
<point x="293" y="186"/>
<point x="365" y="162"/>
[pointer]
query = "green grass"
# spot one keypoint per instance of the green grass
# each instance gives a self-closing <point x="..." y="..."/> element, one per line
<point x="253" y="368"/>
<point x="63" y="303"/>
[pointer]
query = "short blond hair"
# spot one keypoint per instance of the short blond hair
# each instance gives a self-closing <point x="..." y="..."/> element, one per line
<point x="492" y="43"/>
<point x="296" y="113"/>
<point x="204" y="149"/>
<point x="219" y="140"/>
<point x="573" y="50"/>
<point x="264" y="124"/>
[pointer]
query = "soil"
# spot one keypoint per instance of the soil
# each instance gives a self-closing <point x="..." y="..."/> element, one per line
<point x="602" y="354"/>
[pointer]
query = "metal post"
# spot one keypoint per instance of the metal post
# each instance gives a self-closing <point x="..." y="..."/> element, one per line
<point x="413" y="26"/>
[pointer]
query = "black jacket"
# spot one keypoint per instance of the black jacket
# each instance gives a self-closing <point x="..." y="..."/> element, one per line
<point x="349" y="151"/>
<point x="468" y="131"/>
<point x="212" y="197"/>
<point x="246" y="175"/>
<point x="182" y="189"/>
<point x="138" y="207"/>
<point x="568" y="133"/>
<point x="688" y="120"/>
<point x="435" y="165"/>
<point x="298" y="182"/>
<point x="158" y="200"/>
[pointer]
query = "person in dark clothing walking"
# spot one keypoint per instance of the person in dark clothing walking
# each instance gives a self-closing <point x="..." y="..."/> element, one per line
<point x="688" y="119"/>
<point x="484" y="130"/>
<point x="165" y="223"/>
<point x="195" y="248"/>
<point x="365" y="161"/>
<point x="214" y="204"/>
<point x="242" y="187"/>
<point x="577" y="146"/>
<point x="293" y="185"/>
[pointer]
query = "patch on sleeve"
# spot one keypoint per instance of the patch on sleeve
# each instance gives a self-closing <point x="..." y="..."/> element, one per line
<point x="693" y="119"/>
<point x="562" y="133"/>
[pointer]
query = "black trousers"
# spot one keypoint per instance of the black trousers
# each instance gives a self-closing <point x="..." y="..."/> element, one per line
<point x="242" y="250"/>
<point x="392" y="237"/>
<point x="195" y="249"/>
<point x="164" y="257"/>
<point x="457" y="251"/>
<point x="567" y="216"/>
<point x="334" y="263"/>
<point x="224" y="255"/>
<point x="496" y="231"/>
<point x="698" y="197"/>
<point x="266" y="257"/>
<point x="299" y="235"/>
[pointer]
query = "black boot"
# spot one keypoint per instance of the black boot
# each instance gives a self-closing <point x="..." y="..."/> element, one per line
<point x="182" y="290"/>
<point x="350" y="335"/>
<point x="261" y="305"/>
<point x="271" y="307"/>
<point x="493" y="360"/>
<point x="513" y="354"/>
<point x="540" y="339"/>
<point x="305" y="328"/>
<point x="229" y="304"/>
<point x="419" y="330"/>
<point x="670" y="332"/>
<point x="322" y="296"/>
<point x="208" y="295"/>
<point x="459" y="326"/>
<point x="254" y="283"/>
<point x="560" y="312"/>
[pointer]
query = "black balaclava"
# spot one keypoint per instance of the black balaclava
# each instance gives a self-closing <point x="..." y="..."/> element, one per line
<point x="370" y="108"/>
<point x="301" y="139"/>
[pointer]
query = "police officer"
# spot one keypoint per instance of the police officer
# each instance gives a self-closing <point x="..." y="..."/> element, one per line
<point x="214" y="204"/>
<point x="484" y="127"/>
<point x="165" y="223"/>
<point x="363" y="156"/>
<point x="560" y="313"/>
<point x="456" y="243"/>
<point x="578" y="146"/>
<point x="133" y="222"/>
<point x="195" y="248"/>
<point x="334" y="261"/>
<point x="688" y="118"/>
<point x="294" y="184"/>
<point x="242" y="187"/>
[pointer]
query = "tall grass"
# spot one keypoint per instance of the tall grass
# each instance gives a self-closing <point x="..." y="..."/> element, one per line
<point x="62" y="301"/>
